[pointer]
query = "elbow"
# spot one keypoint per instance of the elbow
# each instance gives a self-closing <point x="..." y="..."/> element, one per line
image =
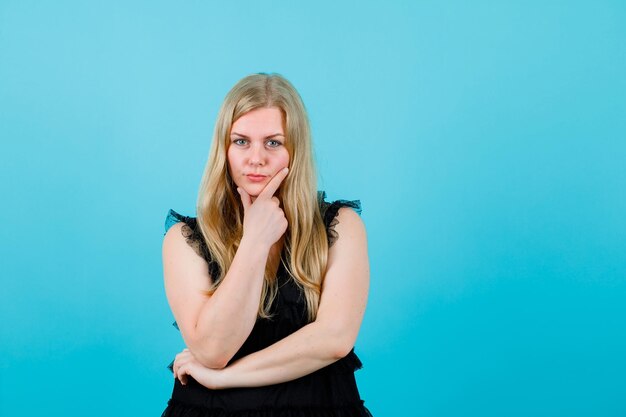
<point x="340" y="352"/>
<point x="341" y="343"/>
<point x="212" y="361"/>
<point x="217" y="363"/>
<point x="210" y="356"/>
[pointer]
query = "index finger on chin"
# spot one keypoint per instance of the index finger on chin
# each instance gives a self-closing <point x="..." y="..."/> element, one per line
<point x="272" y="186"/>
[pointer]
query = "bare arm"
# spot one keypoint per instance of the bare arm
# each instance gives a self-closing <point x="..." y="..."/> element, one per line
<point x="330" y="337"/>
<point x="215" y="327"/>
<point x="226" y="318"/>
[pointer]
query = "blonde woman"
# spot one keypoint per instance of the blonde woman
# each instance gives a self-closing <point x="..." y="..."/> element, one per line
<point x="268" y="284"/>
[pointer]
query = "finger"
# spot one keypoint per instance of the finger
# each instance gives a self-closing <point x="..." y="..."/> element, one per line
<point x="182" y="375"/>
<point x="179" y="361"/>
<point x="274" y="183"/>
<point x="245" y="198"/>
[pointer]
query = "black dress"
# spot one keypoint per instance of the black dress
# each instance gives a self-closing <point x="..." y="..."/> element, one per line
<point x="328" y="392"/>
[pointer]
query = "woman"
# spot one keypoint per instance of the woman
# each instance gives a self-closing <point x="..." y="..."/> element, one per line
<point x="268" y="285"/>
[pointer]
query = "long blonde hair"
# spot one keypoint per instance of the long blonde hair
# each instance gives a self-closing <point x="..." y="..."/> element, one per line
<point x="219" y="208"/>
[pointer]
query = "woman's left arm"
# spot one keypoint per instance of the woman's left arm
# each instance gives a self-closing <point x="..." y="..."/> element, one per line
<point x="327" y="339"/>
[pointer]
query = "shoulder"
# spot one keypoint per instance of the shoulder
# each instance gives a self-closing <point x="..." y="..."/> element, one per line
<point x="348" y="225"/>
<point x="341" y="217"/>
<point x="185" y="268"/>
<point x="174" y="236"/>
<point x="177" y="248"/>
<point x="182" y="236"/>
<point x="348" y="219"/>
<point x="178" y="228"/>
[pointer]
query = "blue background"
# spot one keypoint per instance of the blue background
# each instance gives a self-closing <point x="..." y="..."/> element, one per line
<point x="485" y="139"/>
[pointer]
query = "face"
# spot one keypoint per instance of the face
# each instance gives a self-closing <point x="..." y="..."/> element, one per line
<point x="256" y="151"/>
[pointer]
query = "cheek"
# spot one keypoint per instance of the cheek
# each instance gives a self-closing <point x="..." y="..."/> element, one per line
<point x="284" y="158"/>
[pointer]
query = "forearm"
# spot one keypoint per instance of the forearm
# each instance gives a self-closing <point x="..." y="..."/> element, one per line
<point x="228" y="316"/>
<point x="311" y="348"/>
<point x="333" y="333"/>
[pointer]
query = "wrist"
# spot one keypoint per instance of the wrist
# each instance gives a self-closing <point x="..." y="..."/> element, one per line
<point x="255" y="246"/>
<point x="222" y="378"/>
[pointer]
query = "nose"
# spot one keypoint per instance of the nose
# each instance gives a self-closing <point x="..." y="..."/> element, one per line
<point x="257" y="155"/>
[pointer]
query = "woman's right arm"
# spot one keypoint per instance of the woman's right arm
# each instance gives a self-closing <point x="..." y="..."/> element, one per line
<point x="215" y="327"/>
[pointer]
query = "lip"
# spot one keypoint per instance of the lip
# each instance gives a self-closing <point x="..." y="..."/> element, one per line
<point x="256" y="178"/>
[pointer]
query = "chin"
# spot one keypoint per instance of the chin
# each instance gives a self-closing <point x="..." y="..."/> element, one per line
<point x="252" y="190"/>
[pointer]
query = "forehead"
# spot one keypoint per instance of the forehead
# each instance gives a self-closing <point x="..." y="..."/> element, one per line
<point x="263" y="121"/>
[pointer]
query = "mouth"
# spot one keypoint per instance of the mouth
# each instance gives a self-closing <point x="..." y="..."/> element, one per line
<point x="256" y="178"/>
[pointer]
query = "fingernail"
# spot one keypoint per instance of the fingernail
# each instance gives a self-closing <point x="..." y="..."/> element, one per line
<point x="286" y="169"/>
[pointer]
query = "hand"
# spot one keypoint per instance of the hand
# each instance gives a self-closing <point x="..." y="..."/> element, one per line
<point x="264" y="221"/>
<point x="186" y="364"/>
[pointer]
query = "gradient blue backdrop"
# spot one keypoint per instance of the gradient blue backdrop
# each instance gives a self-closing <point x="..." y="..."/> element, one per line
<point x="485" y="139"/>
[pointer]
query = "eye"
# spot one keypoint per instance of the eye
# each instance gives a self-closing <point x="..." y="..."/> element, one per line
<point x="239" y="141"/>
<point x="273" y="143"/>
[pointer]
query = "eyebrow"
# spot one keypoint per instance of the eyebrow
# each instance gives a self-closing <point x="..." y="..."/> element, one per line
<point x="267" y="137"/>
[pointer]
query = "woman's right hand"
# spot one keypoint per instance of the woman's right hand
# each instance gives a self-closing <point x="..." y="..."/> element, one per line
<point x="264" y="221"/>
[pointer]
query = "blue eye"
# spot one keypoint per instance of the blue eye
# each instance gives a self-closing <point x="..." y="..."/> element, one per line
<point x="276" y="143"/>
<point x="238" y="141"/>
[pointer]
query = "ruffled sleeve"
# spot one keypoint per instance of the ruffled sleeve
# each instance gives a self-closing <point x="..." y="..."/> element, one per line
<point x="329" y="212"/>
<point x="173" y="217"/>
<point x="191" y="232"/>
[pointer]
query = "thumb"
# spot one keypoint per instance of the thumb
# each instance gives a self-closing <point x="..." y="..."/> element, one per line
<point x="245" y="198"/>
